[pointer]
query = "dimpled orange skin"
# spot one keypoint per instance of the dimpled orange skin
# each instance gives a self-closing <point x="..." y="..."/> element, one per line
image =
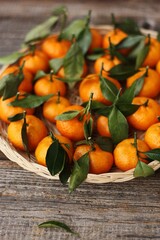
<point x="45" y="86"/>
<point x="152" y="136"/>
<point x="7" y="110"/>
<point x="102" y="126"/>
<point x="36" y="131"/>
<point x="55" y="48"/>
<point x="26" y="84"/>
<point x="91" y="84"/>
<point x="96" y="41"/>
<point x="52" y="108"/>
<point x="151" y="86"/>
<point x="125" y="156"/>
<point x="99" y="161"/>
<point x="35" y="62"/>
<point x="107" y="62"/>
<point x="145" y="116"/>
<point x="73" y="128"/>
<point x="44" y="144"/>
<point x="153" y="55"/>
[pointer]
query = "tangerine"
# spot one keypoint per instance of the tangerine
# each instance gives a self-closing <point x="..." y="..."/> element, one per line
<point x="41" y="149"/>
<point x="36" y="131"/>
<point x="99" y="161"/>
<point x="125" y="153"/>
<point x="146" y="115"/>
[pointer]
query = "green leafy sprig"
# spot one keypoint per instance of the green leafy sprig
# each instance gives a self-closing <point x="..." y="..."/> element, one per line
<point x="142" y="169"/>
<point x="57" y="160"/>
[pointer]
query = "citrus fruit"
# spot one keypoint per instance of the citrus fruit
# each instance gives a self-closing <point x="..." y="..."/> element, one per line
<point x="125" y="154"/>
<point x="36" y="131"/>
<point x="99" y="161"/>
<point x="41" y="149"/>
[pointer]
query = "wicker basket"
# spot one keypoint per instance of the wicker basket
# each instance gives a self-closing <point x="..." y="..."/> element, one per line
<point x="30" y="164"/>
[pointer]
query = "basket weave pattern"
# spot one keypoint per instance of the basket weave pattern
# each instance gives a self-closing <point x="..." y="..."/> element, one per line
<point x="22" y="159"/>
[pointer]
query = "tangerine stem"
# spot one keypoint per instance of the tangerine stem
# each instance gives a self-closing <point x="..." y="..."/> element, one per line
<point x="51" y="75"/>
<point x="58" y="97"/>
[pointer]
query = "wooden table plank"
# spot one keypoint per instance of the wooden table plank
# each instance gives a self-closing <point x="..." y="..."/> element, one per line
<point x="108" y="211"/>
<point x="122" y="211"/>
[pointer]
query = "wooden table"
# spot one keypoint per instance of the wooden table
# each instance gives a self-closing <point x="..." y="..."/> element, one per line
<point x="127" y="210"/>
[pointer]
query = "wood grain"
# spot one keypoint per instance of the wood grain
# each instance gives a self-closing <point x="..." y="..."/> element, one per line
<point x="120" y="211"/>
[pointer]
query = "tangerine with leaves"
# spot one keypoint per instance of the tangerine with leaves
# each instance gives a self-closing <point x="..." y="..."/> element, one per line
<point x="35" y="130"/>
<point x="146" y="115"/>
<point x="54" y="106"/>
<point x="99" y="161"/>
<point x="44" y="144"/>
<point x="49" y="84"/>
<point x="151" y="85"/>
<point x="26" y="84"/>
<point x="55" y="48"/>
<point x="35" y="61"/>
<point x="74" y="127"/>
<point x="152" y="136"/>
<point x="108" y="62"/>
<point x="91" y="84"/>
<point x="126" y="155"/>
<point x="7" y="110"/>
<point x="116" y="36"/>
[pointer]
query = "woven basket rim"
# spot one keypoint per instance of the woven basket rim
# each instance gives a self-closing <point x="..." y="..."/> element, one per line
<point x="30" y="164"/>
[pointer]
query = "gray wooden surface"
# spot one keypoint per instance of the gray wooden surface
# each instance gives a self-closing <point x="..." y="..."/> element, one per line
<point x="127" y="210"/>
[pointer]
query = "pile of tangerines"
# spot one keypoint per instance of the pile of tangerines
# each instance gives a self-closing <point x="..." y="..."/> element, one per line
<point x="116" y="76"/>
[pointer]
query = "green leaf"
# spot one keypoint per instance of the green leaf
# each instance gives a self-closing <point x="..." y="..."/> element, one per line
<point x="153" y="154"/>
<point x="95" y="105"/>
<point x="56" y="224"/>
<point x="121" y="72"/>
<point x="41" y="31"/>
<point x="97" y="53"/>
<point x="39" y="74"/>
<point x="75" y="28"/>
<point x="142" y="55"/>
<point x="31" y="101"/>
<point x="84" y="39"/>
<point x="127" y="108"/>
<point x="143" y="170"/>
<point x="16" y="117"/>
<point x="9" y="84"/>
<point x="66" y="172"/>
<point x="80" y="172"/>
<point x="115" y="53"/>
<point x="74" y="62"/>
<point x="118" y="125"/>
<point x="109" y="90"/>
<point x="129" y="26"/>
<point x="105" y="111"/>
<point x="130" y="41"/>
<point x="11" y="58"/>
<point x="158" y="36"/>
<point x="67" y="115"/>
<point x="88" y="127"/>
<point x="133" y="90"/>
<point x="25" y="136"/>
<point x="105" y="143"/>
<point x="55" y="158"/>
<point x="56" y="64"/>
